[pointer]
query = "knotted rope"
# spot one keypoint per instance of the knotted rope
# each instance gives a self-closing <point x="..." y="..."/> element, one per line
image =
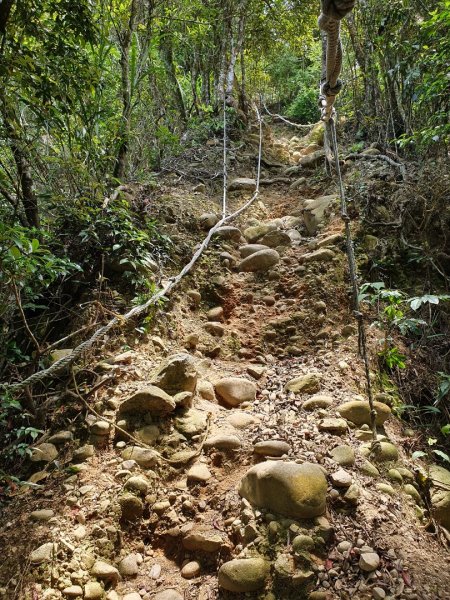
<point x="329" y="22"/>
<point x="332" y="11"/>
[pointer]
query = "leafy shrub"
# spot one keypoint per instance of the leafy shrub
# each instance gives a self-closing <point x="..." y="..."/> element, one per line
<point x="304" y="107"/>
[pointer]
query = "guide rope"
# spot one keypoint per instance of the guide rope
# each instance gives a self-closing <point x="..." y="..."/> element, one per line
<point x="119" y="320"/>
<point x="329" y="22"/>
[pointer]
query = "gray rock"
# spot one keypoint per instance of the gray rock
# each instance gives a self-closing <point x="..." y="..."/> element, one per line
<point x="276" y="238"/>
<point x="242" y="575"/>
<point x="228" y="232"/>
<point x="314" y="211"/>
<point x="249" y="249"/>
<point x="169" y="594"/>
<point x="344" y="455"/>
<point x="105" y="572"/>
<point x="223" y="441"/>
<point x="150" y="433"/>
<point x="190" y="570"/>
<point x="143" y="456"/>
<point x="359" y="412"/>
<point x="191" y="422"/>
<point x="304" y="384"/>
<point x="369" y="562"/>
<point x="242" y="184"/>
<point x="233" y="391"/>
<point x="131" y="507"/>
<point x="208" y="220"/>
<point x="128" y="566"/>
<point x="214" y="328"/>
<point x="44" y="553"/>
<point x="254" y="233"/>
<point x="93" y="591"/>
<point x="44" y="453"/>
<point x="199" y="473"/>
<point x="138" y="484"/>
<point x="286" y="488"/>
<point x="101" y="428"/>
<point x="83" y="453"/>
<point x="177" y="374"/>
<point x="73" y="591"/>
<point x="440" y="495"/>
<point x="42" y="515"/>
<point x="202" y="538"/>
<point x="322" y="255"/>
<point x="387" y="452"/>
<point x="333" y="425"/>
<point x="60" y="438"/>
<point x="271" y="448"/>
<point x="318" y="401"/>
<point x="262" y="260"/>
<point x="341" y="479"/>
<point x="150" y="399"/>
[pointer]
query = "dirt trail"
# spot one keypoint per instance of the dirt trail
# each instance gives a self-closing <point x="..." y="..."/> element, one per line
<point x="289" y="321"/>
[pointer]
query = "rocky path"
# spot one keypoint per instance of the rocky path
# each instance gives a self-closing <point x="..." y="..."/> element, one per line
<point x="249" y="474"/>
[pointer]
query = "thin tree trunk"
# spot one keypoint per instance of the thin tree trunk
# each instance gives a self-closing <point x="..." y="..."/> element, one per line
<point x="166" y="53"/>
<point x="125" y="39"/>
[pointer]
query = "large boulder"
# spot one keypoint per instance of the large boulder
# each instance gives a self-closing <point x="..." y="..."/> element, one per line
<point x="176" y="374"/>
<point x="440" y="495"/>
<point x="314" y="211"/>
<point x="358" y="412"/>
<point x="235" y="390"/>
<point x="290" y="489"/>
<point x="260" y="261"/>
<point x="150" y="399"/>
<point x="242" y="575"/>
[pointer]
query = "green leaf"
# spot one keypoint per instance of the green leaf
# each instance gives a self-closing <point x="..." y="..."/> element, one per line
<point x="442" y="455"/>
<point x="418" y="454"/>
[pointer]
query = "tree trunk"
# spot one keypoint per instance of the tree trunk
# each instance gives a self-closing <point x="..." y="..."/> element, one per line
<point x="166" y="53"/>
<point x="125" y="39"/>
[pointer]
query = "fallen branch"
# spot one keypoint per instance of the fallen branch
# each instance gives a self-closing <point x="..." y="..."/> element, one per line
<point x="299" y="126"/>
<point x="357" y="156"/>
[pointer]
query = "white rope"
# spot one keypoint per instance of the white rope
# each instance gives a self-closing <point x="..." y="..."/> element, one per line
<point x="143" y="308"/>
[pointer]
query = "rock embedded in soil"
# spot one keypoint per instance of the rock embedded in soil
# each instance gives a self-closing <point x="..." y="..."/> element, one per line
<point x="228" y="232"/>
<point x="73" y="591"/>
<point x="304" y="384"/>
<point x="149" y="399"/>
<point x="132" y="507"/>
<point x="317" y="401"/>
<point x="202" y="538"/>
<point x="254" y="233"/>
<point x="440" y="495"/>
<point x="233" y="391"/>
<point x="314" y="211"/>
<point x="44" y="553"/>
<point x="242" y="420"/>
<point x="344" y="455"/>
<point x="214" y="328"/>
<point x="191" y="422"/>
<point x="93" y="591"/>
<point x="105" y="572"/>
<point x="44" y="453"/>
<point x="387" y="452"/>
<point x="199" y="473"/>
<point x="290" y="489"/>
<point x="190" y="570"/>
<point x="42" y="515"/>
<point x="242" y="184"/>
<point x="60" y="438"/>
<point x="333" y="425"/>
<point x="128" y="566"/>
<point x="271" y="448"/>
<point x="169" y="594"/>
<point x="83" y="453"/>
<point x="275" y="238"/>
<point x="262" y="260"/>
<point x="369" y="562"/>
<point x="249" y="249"/>
<point x="132" y="596"/>
<point x="341" y="479"/>
<point x="358" y="412"/>
<point x="177" y="374"/>
<point x="208" y="220"/>
<point x="223" y="441"/>
<point x="144" y="457"/>
<point x="322" y="255"/>
<point x="242" y="575"/>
